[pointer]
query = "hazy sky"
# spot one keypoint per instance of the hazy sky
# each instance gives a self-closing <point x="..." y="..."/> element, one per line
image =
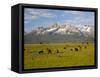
<point x="34" y="18"/>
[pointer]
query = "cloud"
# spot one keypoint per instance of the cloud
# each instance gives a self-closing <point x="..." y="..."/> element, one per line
<point x="74" y="12"/>
<point x="31" y="14"/>
<point x="80" y="21"/>
<point x="80" y="17"/>
<point x="32" y="17"/>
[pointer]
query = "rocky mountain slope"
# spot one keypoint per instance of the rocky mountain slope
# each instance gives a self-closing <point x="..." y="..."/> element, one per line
<point x="60" y="33"/>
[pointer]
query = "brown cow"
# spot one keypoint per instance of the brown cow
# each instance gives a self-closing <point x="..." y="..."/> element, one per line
<point x="49" y="51"/>
<point x="57" y="51"/>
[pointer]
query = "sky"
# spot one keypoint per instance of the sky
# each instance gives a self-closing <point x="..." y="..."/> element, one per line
<point x="34" y="18"/>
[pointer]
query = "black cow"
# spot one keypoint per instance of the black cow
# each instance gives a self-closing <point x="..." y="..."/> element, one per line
<point x="64" y="47"/>
<point x="76" y="49"/>
<point x="71" y="49"/>
<point x="40" y="52"/>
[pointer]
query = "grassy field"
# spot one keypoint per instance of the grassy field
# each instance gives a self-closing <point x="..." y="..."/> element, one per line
<point x="62" y="55"/>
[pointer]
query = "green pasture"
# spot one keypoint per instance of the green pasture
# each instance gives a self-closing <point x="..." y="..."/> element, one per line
<point x="66" y="57"/>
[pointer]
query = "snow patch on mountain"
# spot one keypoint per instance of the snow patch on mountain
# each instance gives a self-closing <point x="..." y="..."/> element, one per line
<point x="65" y="29"/>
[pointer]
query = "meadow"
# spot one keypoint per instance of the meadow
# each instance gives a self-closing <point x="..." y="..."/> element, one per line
<point x="58" y="55"/>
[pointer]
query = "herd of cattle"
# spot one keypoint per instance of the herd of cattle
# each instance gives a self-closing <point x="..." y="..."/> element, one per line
<point x="75" y="48"/>
<point x="70" y="47"/>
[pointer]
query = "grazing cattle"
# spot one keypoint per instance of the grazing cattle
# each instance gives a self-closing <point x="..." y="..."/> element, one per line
<point x="41" y="42"/>
<point x="87" y="43"/>
<point x="64" y="47"/>
<point x="40" y="52"/>
<point x="57" y="51"/>
<point x="49" y="51"/>
<point x="76" y="49"/>
<point x="85" y="47"/>
<point x="71" y="49"/>
<point x="79" y="46"/>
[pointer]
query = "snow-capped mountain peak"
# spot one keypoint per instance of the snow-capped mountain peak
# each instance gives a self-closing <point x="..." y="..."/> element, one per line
<point x="60" y="33"/>
<point x="65" y="29"/>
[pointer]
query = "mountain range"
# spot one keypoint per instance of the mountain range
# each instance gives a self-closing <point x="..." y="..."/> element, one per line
<point x="60" y="33"/>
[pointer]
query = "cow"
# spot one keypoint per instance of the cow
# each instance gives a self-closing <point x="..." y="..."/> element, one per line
<point x="85" y="47"/>
<point x="76" y="49"/>
<point x="57" y="51"/>
<point x="41" y="42"/>
<point x="71" y="49"/>
<point x="87" y="43"/>
<point x="49" y="51"/>
<point x="79" y="47"/>
<point x="64" y="47"/>
<point x="40" y="52"/>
